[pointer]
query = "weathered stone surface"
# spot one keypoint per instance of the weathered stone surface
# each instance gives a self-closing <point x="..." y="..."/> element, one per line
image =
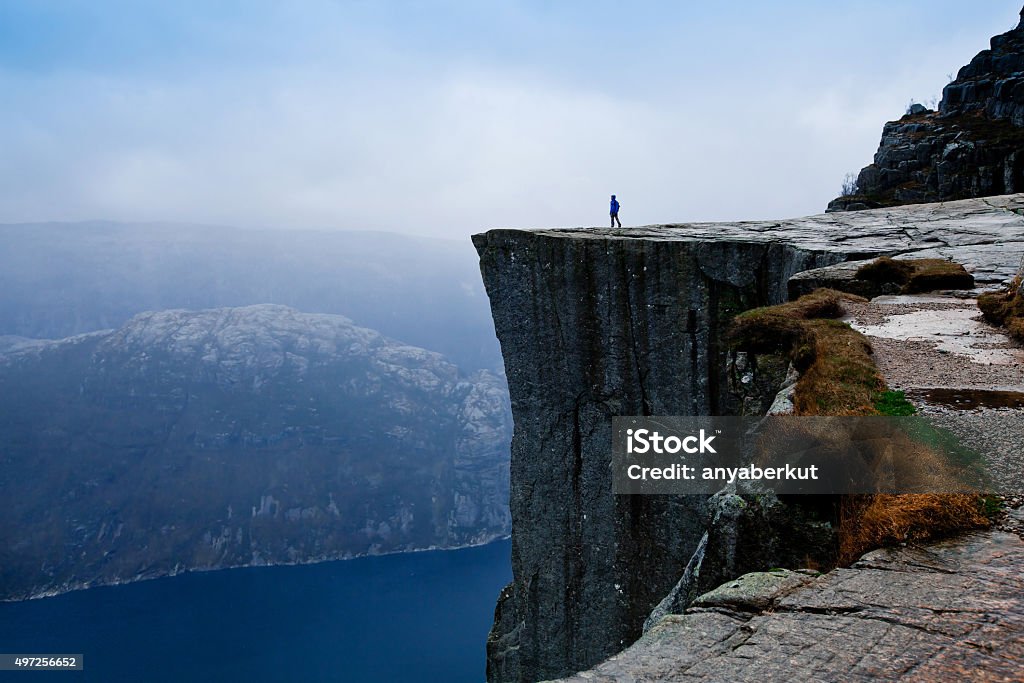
<point x="753" y="592"/>
<point x="753" y="382"/>
<point x="783" y="404"/>
<point x="748" y="529"/>
<point x="949" y="612"/>
<point x="973" y="146"/>
<point x="593" y="328"/>
<point x="993" y="82"/>
<point x="600" y="322"/>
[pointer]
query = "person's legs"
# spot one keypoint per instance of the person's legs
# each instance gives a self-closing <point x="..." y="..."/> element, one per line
<point x="615" y="219"/>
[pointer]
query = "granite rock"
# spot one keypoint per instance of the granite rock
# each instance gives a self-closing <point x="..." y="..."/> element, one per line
<point x="598" y="322"/>
<point x="973" y="146"/>
<point x="949" y="612"/>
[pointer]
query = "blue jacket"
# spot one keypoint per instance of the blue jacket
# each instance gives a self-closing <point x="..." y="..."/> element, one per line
<point x="614" y="207"/>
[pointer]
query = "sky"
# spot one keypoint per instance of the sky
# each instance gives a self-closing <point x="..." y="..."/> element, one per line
<point x="451" y="117"/>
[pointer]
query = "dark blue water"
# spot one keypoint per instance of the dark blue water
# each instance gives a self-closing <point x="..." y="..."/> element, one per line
<point x="411" y="617"/>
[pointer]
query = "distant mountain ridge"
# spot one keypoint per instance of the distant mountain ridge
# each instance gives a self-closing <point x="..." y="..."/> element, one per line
<point x="61" y="279"/>
<point x="235" y="436"/>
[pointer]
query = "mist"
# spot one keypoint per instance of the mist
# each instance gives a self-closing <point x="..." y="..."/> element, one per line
<point x="452" y="118"/>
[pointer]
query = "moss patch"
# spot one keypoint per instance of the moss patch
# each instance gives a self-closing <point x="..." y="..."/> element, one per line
<point x="917" y="275"/>
<point x="894" y="403"/>
<point x="992" y="506"/>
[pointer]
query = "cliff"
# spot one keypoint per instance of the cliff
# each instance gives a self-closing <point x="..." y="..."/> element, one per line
<point x="597" y="322"/>
<point x="237" y="436"/>
<point x="973" y="146"/>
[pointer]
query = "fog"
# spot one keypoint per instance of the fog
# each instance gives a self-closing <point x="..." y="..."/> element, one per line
<point x="444" y="119"/>
<point x="58" y="280"/>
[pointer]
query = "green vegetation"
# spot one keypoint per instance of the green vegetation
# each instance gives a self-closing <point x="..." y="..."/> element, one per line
<point x="992" y="506"/>
<point x="894" y="403"/>
<point x="917" y="275"/>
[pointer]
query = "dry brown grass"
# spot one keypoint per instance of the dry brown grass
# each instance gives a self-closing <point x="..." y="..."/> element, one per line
<point x="873" y="521"/>
<point x="787" y="328"/>
<point x="843" y="378"/>
<point x="917" y="275"/>
<point x="839" y="377"/>
<point x="1005" y="309"/>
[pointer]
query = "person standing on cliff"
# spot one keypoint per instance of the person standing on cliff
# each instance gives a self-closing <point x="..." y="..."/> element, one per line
<point x="615" y="212"/>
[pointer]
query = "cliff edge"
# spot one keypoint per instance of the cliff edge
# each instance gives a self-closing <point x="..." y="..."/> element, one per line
<point x="596" y="322"/>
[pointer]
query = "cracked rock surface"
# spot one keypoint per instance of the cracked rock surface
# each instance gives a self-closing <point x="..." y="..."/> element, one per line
<point x="964" y="375"/>
<point x="953" y="611"/>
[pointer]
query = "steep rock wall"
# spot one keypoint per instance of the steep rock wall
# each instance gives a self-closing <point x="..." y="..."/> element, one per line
<point x="595" y="323"/>
<point x="592" y="329"/>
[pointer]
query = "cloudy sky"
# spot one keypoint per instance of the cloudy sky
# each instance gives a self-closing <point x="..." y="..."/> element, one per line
<point x="445" y="118"/>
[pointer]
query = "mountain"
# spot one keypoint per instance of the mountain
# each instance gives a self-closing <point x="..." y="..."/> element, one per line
<point x="973" y="146"/>
<point x="234" y="436"/>
<point x="62" y="279"/>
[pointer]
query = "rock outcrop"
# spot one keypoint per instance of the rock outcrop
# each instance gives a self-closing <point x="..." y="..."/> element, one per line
<point x="255" y="435"/>
<point x="950" y="612"/>
<point x="973" y="146"/>
<point x="598" y="322"/>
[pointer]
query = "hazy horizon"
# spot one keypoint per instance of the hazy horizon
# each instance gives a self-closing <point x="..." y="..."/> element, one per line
<point x="448" y="119"/>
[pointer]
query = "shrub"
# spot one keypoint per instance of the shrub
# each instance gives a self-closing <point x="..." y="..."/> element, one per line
<point x="849" y="185"/>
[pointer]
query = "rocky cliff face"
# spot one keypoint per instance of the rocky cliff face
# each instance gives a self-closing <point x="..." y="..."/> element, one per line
<point x="239" y="436"/>
<point x="595" y="323"/>
<point x="973" y="146"/>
